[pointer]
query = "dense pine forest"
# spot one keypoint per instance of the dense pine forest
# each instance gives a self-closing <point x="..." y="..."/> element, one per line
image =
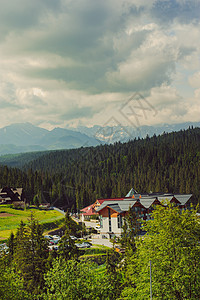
<point x="76" y="178"/>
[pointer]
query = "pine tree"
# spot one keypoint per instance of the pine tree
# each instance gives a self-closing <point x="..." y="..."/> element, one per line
<point x="11" y="243"/>
<point x="31" y="254"/>
<point x="67" y="247"/>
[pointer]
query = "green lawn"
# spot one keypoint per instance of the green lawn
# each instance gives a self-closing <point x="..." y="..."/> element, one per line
<point x="10" y="223"/>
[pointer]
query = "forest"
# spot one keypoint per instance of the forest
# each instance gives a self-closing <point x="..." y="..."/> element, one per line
<point x="72" y="179"/>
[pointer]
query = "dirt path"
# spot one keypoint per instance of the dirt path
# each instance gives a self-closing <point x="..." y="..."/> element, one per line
<point x="4" y="215"/>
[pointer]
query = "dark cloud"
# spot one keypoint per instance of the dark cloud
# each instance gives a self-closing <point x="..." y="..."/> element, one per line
<point x="19" y="16"/>
<point x="22" y="14"/>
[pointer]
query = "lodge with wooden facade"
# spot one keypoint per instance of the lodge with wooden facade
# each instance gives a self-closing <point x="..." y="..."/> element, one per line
<point x="11" y="195"/>
<point x="112" y="211"/>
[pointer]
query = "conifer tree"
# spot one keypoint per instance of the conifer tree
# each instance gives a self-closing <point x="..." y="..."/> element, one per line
<point x="67" y="247"/>
<point x="30" y="255"/>
<point x="11" y="243"/>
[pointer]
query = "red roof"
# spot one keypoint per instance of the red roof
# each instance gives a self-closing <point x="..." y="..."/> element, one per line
<point x="109" y="199"/>
<point x="89" y="210"/>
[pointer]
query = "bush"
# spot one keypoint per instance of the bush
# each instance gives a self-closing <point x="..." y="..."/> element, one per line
<point x="98" y="259"/>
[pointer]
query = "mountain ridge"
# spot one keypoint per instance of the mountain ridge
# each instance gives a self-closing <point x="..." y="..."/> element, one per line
<point x="112" y="134"/>
<point x="26" y="137"/>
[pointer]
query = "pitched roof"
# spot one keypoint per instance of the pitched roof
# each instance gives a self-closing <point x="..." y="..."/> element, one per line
<point x="147" y="202"/>
<point x="85" y="209"/>
<point x="165" y="199"/>
<point x="183" y="199"/>
<point x="120" y="206"/>
<point x="132" y="192"/>
<point x="109" y="199"/>
<point x="126" y="204"/>
<point x="115" y="206"/>
<point x="88" y="211"/>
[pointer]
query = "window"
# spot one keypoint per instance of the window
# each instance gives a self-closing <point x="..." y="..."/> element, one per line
<point x="101" y="221"/>
<point x="109" y="218"/>
<point x="119" y="221"/>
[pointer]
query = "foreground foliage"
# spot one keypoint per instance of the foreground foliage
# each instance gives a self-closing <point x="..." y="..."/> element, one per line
<point x="76" y="281"/>
<point x="28" y="254"/>
<point x="11" y="284"/>
<point x="172" y="244"/>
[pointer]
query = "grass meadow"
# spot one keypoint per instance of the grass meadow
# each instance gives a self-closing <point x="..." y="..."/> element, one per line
<point x="10" y="218"/>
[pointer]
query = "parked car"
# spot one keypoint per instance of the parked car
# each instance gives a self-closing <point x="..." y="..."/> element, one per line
<point x="79" y="245"/>
<point x="50" y="247"/>
<point x="4" y="249"/>
<point x="51" y="240"/>
<point x="53" y="247"/>
<point x="84" y="245"/>
<point x="119" y="249"/>
<point x="56" y="237"/>
<point x="73" y="237"/>
<point x="97" y="227"/>
<point x="87" y="244"/>
<point x="48" y="237"/>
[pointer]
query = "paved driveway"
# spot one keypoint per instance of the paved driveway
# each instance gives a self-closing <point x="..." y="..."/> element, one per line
<point x="97" y="239"/>
<point x="87" y="223"/>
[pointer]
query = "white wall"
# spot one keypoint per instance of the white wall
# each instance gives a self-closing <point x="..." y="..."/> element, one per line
<point x="114" y="226"/>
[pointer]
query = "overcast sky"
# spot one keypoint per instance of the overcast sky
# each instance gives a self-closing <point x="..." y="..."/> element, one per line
<point x="86" y="62"/>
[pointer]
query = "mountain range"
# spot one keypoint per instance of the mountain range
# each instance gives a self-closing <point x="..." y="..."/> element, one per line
<point x="25" y="137"/>
<point x="112" y="134"/>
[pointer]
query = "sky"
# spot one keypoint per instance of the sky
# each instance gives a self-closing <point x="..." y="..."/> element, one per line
<point x="67" y="63"/>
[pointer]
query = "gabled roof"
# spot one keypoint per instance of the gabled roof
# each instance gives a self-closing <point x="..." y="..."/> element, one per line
<point x="131" y="193"/>
<point x="126" y="204"/>
<point x="115" y="207"/>
<point x="165" y="199"/>
<point x="104" y="204"/>
<point x="100" y="201"/>
<point x="85" y="209"/>
<point x="88" y="211"/>
<point x="120" y="206"/>
<point x="147" y="202"/>
<point x="183" y="199"/>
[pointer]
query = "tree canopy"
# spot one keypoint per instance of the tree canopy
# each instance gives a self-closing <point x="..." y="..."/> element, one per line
<point x="172" y="244"/>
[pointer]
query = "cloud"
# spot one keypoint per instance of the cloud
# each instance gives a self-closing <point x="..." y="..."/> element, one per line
<point x="167" y="11"/>
<point x="70" y="61"/>
<point x="149" y="65"/>
<point x="194" y="80"/>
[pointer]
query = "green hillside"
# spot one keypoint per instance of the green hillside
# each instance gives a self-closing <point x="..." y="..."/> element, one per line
<point x="20" y="159"/>
<point x="10" y="218"/>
